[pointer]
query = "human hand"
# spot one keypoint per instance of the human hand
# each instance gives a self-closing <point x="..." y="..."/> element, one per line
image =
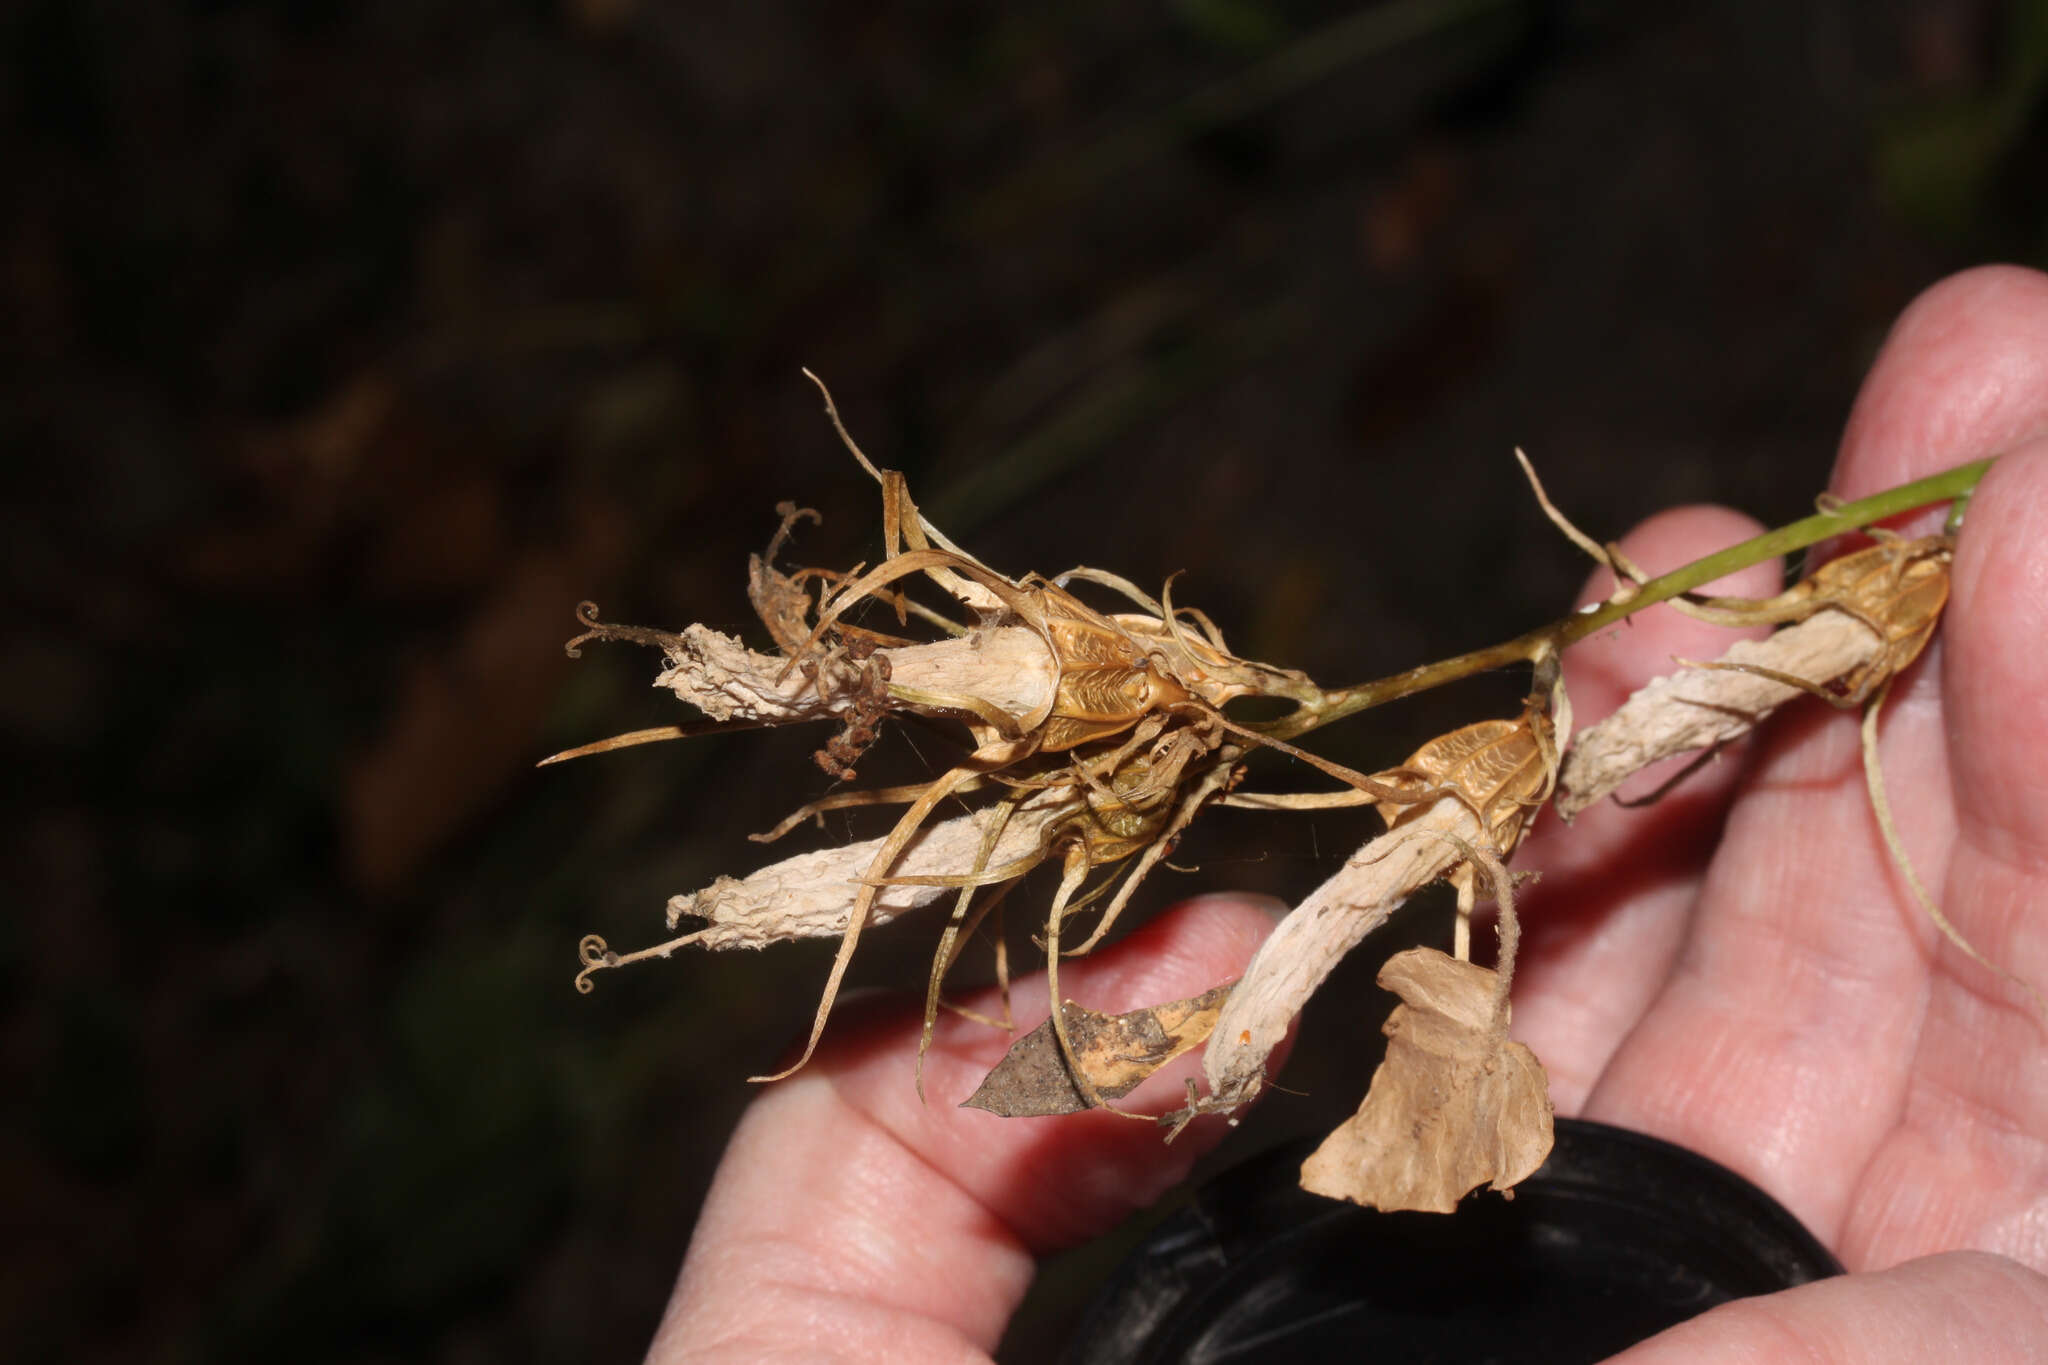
<point x="1764" y="991"/>
<point x="850" y="1222"/>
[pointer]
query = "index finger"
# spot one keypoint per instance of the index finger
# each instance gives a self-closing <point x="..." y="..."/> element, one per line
<point x="848" y="1221"/>
<point x="1811" y="1006"/>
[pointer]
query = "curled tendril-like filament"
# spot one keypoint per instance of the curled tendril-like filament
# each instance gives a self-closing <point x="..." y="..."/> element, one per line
<point x="597" y="955"/>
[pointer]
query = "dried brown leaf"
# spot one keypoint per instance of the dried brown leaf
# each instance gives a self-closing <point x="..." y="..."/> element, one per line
<point x="1115" y="1051"/>
<point x="1455" y="1105"/>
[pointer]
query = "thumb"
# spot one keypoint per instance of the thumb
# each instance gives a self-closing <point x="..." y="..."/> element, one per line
<point x="1961" y="1305"/>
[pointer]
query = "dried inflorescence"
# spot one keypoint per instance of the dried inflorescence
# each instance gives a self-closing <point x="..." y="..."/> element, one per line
<point x="1094" y="737"/>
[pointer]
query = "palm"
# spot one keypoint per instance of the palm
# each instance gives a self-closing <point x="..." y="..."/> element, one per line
<point x="1765" y="990"/>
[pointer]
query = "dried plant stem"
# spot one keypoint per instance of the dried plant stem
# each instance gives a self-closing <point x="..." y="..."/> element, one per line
<point x="958" y="926"/>
<point x="1947" y="486"/>
<point x="1098" y="736"/>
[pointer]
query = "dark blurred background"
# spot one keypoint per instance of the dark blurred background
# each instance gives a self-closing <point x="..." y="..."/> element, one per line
<point x="349" y="345"/>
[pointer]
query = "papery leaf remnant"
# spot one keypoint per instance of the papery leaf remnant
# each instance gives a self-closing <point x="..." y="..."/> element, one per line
<point x="1848" y="629"/>
<point x="1455" y="1105"/>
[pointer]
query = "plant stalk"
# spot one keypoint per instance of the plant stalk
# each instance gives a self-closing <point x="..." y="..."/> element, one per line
<point x="1951" y="485"/>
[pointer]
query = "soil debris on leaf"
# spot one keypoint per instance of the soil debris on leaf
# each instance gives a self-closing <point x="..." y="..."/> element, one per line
<point x="1116" y="1051"/>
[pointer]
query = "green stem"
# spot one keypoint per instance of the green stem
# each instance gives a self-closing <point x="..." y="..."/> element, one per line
<point x="1947" y="486"/>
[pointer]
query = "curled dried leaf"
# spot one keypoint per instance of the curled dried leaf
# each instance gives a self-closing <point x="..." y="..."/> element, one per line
<point x="1457" y="808"/>
<point x="1456" y="1104"/>
<point x="1331" y="921"/>
<point x="811" y="895"/>
<point x="782" y="602"/>
<point x="1114" y="1052"/>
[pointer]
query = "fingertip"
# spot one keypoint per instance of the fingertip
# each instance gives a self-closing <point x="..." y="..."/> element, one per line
<point x="1958" y="1305"/>
<point x="1962" y="375"/>
<point x="1996" y="655"/>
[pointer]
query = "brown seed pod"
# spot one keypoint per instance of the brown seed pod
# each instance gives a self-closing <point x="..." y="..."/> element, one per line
<point x="1107" y="682"/>
<point x="1896" y="587"/>
<point x="1501" y="769"/>
<point x="1107" y="724"/>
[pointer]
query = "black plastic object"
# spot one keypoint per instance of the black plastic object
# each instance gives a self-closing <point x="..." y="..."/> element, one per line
<point x="1616" y="1238"/>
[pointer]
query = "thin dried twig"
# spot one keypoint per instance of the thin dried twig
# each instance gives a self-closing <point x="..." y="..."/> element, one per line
<point x="1880" y="804"/>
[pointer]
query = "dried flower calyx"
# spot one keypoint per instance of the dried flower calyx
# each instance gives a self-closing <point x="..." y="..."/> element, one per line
<point x="1094" y="737"/>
